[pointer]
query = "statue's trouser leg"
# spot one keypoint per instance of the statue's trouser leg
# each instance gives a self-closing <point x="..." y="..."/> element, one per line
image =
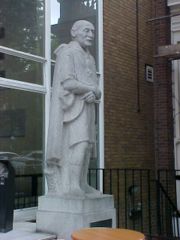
<point x="84" y="184"/>
<point x="84" y="175"/>
<point x="72" y="169"/>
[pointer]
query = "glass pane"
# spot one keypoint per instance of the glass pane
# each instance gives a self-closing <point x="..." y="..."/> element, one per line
<point x="65" y="13"/>
<point x="21" y="69"/>
<point x="22" y="25"/>
<point x="21" y="138"/>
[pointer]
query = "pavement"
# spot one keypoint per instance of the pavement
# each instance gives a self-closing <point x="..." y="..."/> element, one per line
<point x="25" y="231"/>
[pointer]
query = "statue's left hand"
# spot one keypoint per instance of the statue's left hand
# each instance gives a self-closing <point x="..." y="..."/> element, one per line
<point x="89" y="97"/>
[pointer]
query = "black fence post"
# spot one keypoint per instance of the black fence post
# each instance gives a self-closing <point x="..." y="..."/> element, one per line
<point x="159" y="227"/>
<point x="6" y="196"/>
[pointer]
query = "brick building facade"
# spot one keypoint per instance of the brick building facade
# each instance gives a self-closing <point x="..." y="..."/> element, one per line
<point x="128" y="47"/>
<point x="139" y="121"/>
<point x="163" y="109"/>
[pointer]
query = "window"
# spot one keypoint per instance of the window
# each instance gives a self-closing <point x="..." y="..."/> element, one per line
<point x="23" y="90"/>
<point x="18" y="68"/>
<point x="22" y="25"/>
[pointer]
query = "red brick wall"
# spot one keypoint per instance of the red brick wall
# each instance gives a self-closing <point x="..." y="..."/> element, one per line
<point x="162" y="90"/>
<point x="129" y="133"/>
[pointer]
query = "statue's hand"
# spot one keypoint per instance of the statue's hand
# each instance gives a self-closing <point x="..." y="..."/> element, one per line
<point x="97" y="93"/>
<point x="89" y="97"/>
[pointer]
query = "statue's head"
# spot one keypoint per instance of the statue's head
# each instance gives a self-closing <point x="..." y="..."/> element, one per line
<point x="82" y="31"/>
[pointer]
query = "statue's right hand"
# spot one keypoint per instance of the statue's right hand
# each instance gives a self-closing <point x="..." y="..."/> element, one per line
<point x="97" y="93"/>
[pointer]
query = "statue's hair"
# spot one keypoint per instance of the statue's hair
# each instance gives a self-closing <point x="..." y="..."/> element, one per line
<point x="76" y="25"/>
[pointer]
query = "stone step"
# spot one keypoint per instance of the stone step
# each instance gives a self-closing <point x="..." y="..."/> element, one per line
<point x="25" y="231"/>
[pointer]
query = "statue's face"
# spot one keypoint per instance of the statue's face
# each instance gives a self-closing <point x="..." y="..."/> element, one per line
<point x="85" y="35"/>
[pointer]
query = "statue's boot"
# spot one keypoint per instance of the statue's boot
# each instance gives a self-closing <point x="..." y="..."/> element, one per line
<point x="75" y="177"/>
<point x="90" y="190"/>
<point x="71" y="181"/>
<point x="84" y="183"/>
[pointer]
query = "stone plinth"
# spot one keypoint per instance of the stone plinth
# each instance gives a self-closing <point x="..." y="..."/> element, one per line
<point x="25" y="231"/>
<point x="63" y="215"/>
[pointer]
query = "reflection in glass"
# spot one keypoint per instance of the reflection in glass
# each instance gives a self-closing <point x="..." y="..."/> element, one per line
<point x="22" y="25"/>
<point x="21" y="69"/>
<point x="71" y="11"/>
<point x="21" y="122"/>
<point x="21" y="137"/>
<point x="55" y="12"/>
<point x="21" y="142"/>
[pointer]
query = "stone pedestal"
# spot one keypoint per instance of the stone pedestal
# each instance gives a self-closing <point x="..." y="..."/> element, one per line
<point x="63" y="215"/>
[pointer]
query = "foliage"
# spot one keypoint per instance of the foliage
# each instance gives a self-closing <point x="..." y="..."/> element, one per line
<point x="23" y="22"/>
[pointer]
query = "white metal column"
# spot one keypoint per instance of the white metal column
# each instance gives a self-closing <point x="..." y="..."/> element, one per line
<point x="175" y="38"/>
<point x="101" y="83"/>
<point x="47" y="70"/>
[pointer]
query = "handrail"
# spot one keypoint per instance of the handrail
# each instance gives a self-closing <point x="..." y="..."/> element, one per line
<point x="168" y="198"/>
<point x="167" y="213"/>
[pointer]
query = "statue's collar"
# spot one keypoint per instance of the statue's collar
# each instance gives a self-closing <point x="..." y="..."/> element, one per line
<point x="73" y="44"/>
<point x="77" y="46"/>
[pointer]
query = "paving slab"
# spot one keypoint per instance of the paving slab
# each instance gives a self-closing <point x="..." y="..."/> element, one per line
<point x="25" y="231"/>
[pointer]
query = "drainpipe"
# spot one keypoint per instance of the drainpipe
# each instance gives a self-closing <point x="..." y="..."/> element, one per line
<point x="137" y="59"/>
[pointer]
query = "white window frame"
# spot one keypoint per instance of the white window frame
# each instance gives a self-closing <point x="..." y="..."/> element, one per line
<point x="175" y="37"/>
<point x="101" y="85"/>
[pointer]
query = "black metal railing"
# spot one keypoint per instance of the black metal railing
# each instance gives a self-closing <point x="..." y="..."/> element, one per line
<point x="132" y="194"/>
<point x="167" y="214"/>
<point x="169" y="179"/>
<point x="27" y="189"/>
<point x="142" y="203"/>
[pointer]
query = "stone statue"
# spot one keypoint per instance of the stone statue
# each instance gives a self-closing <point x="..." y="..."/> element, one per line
<point x="71" y="132"/>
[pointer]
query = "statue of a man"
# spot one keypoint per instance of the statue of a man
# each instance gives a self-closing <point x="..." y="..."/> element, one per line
<point x="71" y="132"/>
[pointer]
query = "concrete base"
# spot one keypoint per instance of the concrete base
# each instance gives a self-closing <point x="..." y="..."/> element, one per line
<point x="25" y="231"/>
<point x="61" y="215"/>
